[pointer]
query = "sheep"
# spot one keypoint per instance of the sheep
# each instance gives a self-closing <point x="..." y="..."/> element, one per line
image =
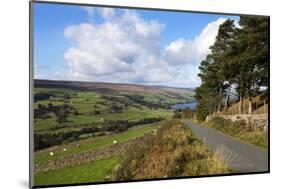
<point x="114" y="142"/>
<point x="51" y="153"/>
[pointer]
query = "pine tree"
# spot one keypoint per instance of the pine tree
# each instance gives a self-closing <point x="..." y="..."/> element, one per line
<point x="252" y="44"/>
<point x="221" y="51"/>
<point x="239" y="58"/>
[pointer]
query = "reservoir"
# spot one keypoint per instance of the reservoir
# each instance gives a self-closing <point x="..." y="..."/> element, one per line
<point x="182" y="106"/>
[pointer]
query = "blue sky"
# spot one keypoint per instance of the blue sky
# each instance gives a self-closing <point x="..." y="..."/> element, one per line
<point x="115" y="45"/>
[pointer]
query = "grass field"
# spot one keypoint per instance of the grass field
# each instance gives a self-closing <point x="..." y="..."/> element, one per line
<point x="70" y="121"/>
<point x="88" y="102"/>
<point x="90" y="172"/>
<point x="92" y="143"/>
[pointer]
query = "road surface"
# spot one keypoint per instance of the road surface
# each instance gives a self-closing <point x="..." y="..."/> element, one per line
<point x="241" y="156"/>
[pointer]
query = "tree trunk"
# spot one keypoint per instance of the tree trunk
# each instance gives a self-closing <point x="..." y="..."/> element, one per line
<point x="219" y="108"/>
<point x="250" y="105"/>
<point x="241" y="105"/>
<point x="227" y="97"/>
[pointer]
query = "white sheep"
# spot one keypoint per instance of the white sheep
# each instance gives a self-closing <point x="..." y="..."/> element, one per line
<point x="64" y="149"/>
<point x="51" y="153"/>
<point x="114" y="142"/>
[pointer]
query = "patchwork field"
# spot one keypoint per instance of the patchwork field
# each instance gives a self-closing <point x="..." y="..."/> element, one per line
<point x="82" y="130"/>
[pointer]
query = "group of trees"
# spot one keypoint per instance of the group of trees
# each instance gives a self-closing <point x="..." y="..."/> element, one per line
<point x="46" y="140"/>
<point x="61" y="112"/>
<point x="115" y="108"/>
<point x="42" y="96"/>
<point x="238" y="61"/>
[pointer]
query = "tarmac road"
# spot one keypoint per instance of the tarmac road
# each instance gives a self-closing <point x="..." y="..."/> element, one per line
<point x="241" y="156"/>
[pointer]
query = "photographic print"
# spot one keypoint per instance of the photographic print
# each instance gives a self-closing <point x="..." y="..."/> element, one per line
<point x="129" y="94"/>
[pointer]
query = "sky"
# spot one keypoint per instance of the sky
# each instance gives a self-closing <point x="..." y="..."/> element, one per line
<point x="116" y="45"/>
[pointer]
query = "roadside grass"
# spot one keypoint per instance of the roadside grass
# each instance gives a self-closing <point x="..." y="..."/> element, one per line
<point x="92" y="143"/>
<point x="241" y="130"/>
<point x="258" y="138"/>
<point x="90" y="172"/>
<point x="173" y="151"/>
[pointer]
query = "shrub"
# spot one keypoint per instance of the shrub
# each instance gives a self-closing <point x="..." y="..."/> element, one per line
<point x="100" y="134"/>
<point x="145" y="121"/>
<point x="116" y="126"/>
<point x="187" y="113"/>
<point x="171" y="152"/>
<point x="67" y="96"/>
<point x="96" y="112"/>
<point x="177" y="115"/>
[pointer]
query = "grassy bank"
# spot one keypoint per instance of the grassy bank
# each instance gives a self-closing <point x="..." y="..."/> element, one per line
<point x="90" y="172"/>
<point x="172" y="151"/>
<point x="241" y="130"/>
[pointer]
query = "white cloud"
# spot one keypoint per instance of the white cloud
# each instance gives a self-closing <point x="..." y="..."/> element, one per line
<point x="126" y="48"/>
<point x="184" y="51"/>
<point x="106" y="13"/>
<point x="113" y="46"/>
<point x="89" y="10"/>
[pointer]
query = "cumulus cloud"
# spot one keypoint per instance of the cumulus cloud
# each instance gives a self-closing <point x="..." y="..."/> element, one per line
<point x="106" y="13"/>
<point x="126" y="48"/>
<point x="184" y="51"/>
<point x="89" y="10"/>
<point x="120" y="45"/>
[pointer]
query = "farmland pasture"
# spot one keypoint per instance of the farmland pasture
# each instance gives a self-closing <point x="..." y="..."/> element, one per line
<point x="92" y="143"/>
<point x="86" y="103"/>
<point x="90" y="172"/>
<point x="83" y="120"/>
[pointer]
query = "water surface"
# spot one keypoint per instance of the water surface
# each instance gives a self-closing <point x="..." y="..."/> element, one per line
<point x="182" y="106"/>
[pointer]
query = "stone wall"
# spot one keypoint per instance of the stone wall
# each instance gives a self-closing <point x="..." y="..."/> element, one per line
<point x="84" y="157"/>
<point x="258" y="120"/>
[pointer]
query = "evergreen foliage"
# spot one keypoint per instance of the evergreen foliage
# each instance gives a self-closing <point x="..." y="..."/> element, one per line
<point x="239" y="60"/>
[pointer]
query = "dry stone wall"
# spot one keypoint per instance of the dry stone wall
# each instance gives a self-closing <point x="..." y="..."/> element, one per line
<point x="257" y="120"/>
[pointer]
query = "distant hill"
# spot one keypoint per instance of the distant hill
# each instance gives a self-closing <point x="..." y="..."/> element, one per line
<point x="99" y="86"/>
